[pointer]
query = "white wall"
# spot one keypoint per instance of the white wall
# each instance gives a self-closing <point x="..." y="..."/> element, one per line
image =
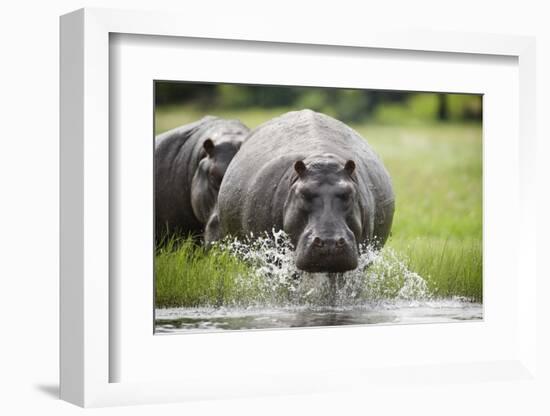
<point x="29" y="206"/>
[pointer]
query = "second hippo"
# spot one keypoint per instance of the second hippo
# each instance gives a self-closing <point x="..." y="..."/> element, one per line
<point x="190" y="162"/>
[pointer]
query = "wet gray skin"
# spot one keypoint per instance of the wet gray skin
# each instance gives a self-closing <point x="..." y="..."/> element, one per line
<point x="322" y="216"/>
<point x="313" y="177"/>
<point x="190" y="162"/>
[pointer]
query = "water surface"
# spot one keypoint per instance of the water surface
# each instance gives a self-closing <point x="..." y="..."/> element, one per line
<point x="193" y="320"/>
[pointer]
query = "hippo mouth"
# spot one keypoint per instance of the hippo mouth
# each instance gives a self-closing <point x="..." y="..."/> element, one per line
<point x="328" y="256"/>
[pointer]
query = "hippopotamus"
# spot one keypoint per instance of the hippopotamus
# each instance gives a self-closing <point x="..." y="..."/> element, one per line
<point x="315" y="178"/>
<point x="190" y="162"/>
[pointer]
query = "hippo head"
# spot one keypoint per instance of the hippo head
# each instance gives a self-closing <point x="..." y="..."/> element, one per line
<point x="215" y="158"/>
<point x="322" y="214"/>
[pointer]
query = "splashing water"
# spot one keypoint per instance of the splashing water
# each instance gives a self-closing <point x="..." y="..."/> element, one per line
<point x="379" y="276"/>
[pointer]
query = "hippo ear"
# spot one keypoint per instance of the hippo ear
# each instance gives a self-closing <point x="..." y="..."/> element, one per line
<point x="208" y="146"/>
<point x="300" y="167"/>
<point x="349" y="166"/>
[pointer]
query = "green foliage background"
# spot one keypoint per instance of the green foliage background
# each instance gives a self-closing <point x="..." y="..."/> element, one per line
<point x="347" y="105"/>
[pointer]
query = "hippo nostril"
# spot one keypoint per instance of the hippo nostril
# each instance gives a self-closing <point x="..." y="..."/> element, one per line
<point x="341" y="242"/>
<point x="318" y="242"/>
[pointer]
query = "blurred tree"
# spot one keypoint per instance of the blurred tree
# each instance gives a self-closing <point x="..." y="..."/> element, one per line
<point x="170" y="92"/>
<point x="442" y="109"/>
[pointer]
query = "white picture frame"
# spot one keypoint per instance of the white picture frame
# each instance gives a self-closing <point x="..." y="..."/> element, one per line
<point x="86" y="352"/>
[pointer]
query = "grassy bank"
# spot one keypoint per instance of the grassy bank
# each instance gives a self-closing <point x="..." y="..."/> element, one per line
<point x="436" y="171"/>
<point x="187" y="275"/>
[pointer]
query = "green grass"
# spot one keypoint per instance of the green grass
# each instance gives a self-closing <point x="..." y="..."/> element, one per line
<point x="451" y="267"/>
<point x="188" y="275"/>
<point x="436" y="171"/>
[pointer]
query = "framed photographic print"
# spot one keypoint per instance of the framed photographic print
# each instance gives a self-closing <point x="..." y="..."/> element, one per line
<point x="262" y="226"/>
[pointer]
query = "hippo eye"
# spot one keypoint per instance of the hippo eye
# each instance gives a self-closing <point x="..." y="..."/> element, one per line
<point x="215" y="177"/>
<point x="344" y="196"/>
<point x="308" y="196"/>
